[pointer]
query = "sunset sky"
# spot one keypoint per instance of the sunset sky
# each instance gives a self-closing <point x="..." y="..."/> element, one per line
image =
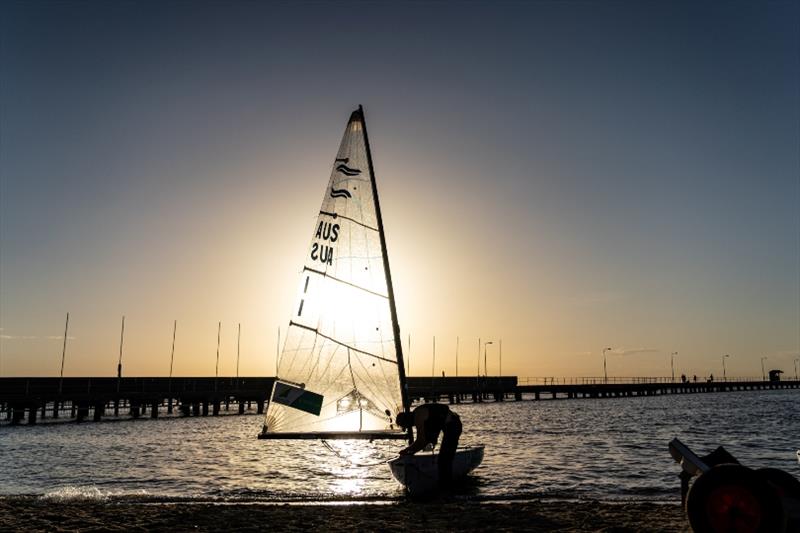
<point x="566" y="176"/>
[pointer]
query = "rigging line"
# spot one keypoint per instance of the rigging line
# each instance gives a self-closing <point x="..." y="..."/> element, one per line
<point x="358" y="393"/>
<point x="382" y="341"/>
<point x="354" y="329"/>
<point x="374" y="390"/>
<point x="327" y="366"/>
<point x="387" y="391"/>
<point x="302" y="370"/>
<point x="326" y="275"/>
<point x="335" y="380"/>
<point x="300" y="350"/>
<point x="324" y="372"/>
<point x="374" y="386"/>
<point x="309" y="375"/>
<point x="354" y="221"/>
<point x="288" y="356"/>
<point x="314" y="330"/>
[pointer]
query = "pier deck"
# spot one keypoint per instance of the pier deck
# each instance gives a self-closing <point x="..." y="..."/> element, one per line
<point x="29" y="399"/>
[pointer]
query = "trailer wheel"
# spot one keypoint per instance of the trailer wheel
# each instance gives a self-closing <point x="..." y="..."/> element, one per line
<point x="785" y="484"/>
<point x="734" y="499"/>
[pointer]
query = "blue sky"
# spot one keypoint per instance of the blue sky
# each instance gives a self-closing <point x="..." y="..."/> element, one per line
<point x="566" y="176"/>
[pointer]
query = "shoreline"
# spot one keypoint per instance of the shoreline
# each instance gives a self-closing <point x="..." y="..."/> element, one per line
<point x="37" y="513"/>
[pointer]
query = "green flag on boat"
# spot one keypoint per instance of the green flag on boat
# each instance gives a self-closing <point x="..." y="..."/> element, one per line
<point x="301" y="399"/>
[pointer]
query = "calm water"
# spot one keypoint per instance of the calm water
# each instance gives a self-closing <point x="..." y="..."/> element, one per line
<point x="606" y="449"/>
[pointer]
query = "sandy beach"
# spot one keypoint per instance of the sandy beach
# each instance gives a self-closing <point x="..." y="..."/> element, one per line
<point x="40" y="514"/>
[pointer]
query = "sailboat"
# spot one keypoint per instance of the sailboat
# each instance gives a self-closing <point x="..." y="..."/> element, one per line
<point x="340" y="374"/>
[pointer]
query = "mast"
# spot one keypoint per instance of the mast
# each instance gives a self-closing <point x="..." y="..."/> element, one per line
<point x="398" y="346"/>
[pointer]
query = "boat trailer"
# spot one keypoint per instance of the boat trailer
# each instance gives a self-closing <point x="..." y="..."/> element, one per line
<point x="730" y="497"/>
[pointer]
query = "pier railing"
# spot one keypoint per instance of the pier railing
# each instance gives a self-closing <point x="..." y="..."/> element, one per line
<point x="633" y="380"/>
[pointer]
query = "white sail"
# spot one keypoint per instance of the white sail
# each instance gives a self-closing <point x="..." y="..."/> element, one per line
<point x="340" y="344"/>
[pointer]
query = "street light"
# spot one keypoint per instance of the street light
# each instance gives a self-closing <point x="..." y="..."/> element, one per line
<point x="795" y="368"/>
<point x="672" y="364"/>
<point x="763" y="374"/>
<point x="724" y="375"/>
<point x="605" y="371"/>
<point x="485" y="368"/>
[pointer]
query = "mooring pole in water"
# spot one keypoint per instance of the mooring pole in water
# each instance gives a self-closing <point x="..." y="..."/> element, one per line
<point x="63" y="356"/>
<point x="238" y="339"/>
<point x="216" y="370"/>
<point x="456" y="356"/>
<point x="485" y="363"/>
<point x="171" y="361"/>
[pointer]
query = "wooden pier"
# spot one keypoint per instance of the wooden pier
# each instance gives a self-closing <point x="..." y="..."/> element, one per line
<point x="75" y="398"/>
<point x="79" y="399"/>
<point x="458" y="390"/>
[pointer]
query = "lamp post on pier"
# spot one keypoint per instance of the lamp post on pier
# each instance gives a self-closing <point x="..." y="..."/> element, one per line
<point x="724" y="375"/>
<point x="763" y="374"/>
<point x="605" y="368"/>
<point x="795" y="368"/>
<point x="121" y="338"/>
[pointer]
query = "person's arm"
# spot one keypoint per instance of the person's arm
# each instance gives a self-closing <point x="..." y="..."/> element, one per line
<point x="420" y="442"/>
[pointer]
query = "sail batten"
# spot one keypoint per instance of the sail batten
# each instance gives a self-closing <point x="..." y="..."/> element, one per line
<point x="341" y="343"/>
<point x="336" y="215"/>
<point x="325" y="274"/>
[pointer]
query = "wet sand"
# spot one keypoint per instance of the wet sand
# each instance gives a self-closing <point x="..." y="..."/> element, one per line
<point x="40" y="514"/>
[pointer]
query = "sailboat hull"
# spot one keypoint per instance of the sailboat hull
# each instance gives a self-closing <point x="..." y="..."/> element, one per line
<point x="420" y="473"/>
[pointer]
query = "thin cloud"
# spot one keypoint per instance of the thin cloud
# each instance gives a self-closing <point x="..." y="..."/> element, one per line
<point x="18" y="337"/>
<point x="635" y="351"/>
<point x="60" y="337"/>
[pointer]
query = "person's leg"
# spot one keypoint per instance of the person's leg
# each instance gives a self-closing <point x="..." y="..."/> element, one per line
<point x="447" y="451"/>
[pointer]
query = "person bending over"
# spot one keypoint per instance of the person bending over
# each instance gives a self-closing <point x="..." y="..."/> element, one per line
<point x="429" y="420"/>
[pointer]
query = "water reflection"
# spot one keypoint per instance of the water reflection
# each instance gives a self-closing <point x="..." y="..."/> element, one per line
<point x="594" y="448"/>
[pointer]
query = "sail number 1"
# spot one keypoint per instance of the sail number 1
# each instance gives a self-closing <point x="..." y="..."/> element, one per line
<point x="324" y="252"/>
